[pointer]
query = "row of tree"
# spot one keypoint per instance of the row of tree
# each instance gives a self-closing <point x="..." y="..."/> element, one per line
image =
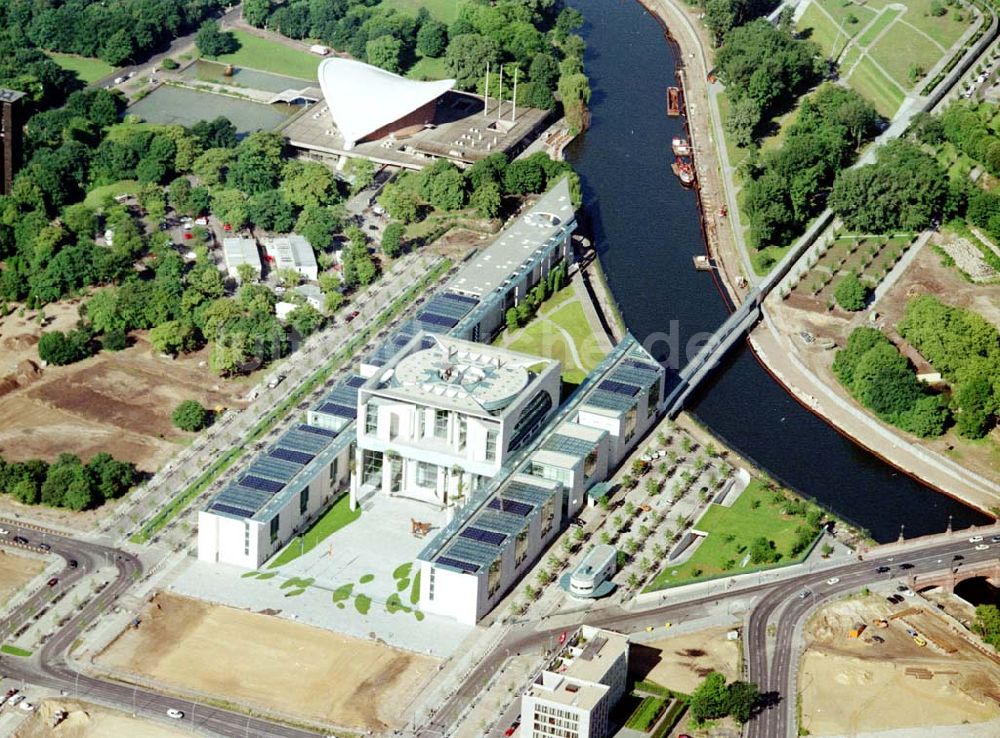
<point x="116" y="31"/>
<point x="965" y="348"/>
<point x="882" y="380"/>
<point x="786" y="186"/>
<point x="67" y="482"/>
<point x="517" y="316"/>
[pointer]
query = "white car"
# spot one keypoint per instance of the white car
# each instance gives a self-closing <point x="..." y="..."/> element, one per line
<point x="833" y="580"/>
<point x="976" y="539"/>
<point x="15" y="699"/>
<point x="27" y="707"/>
<point x="982" y="547"/>
<point x="175" y="714"/>
<point x="4" y="532"/>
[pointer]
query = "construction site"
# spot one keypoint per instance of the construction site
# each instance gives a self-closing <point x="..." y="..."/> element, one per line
<point x="870" y="665"/>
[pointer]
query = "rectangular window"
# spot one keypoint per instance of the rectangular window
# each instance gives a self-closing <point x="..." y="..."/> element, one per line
<point x="371" y="467"/>
<point x="441" y="424"/>
<point x="590" y="463"/>
<point x="333" y="471"/>
<point x="463" y="431"/>
<point x="304" y="501"/>
<point x="520" y="547"/>
<point x="654" y="397"/>
<point x="427" y="475"/>
<point x="371" y="417"/>
<point x="246" y="539"/>
<point x="275" y="524"/>
<point x="493" y="578"/>
<point x="430" y="585"/>
<point x="630" y="419"/>
<point x="491" y="444"/>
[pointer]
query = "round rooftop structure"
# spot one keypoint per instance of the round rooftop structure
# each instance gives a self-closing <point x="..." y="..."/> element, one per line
<point x="461" y="374"/>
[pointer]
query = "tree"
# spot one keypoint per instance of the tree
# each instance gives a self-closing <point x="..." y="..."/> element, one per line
<point x="763" y="551"/>
<point x="212" y="42"/>
<point x="318" y="225"/>
<point x="744" y="115"/>
<point x="258" y="163"/>
<point x="432" y="38"/>
<point x="272" y="212"/>
<point x="399" y="203"/>
<point x="255" y="12"/>
<point x="710" y="700"/>
<point x="850" y="293"/>
<point x="190" y="416"/>
<point x="392" y="240"/>
<point x="305" y="319"/>
<point x="467" y="56"/>
<point x="384" y="52"/>
<point x="487" y="200"/>
<point x="55" y="347"/>
<point x="173" y="337"/>
<point x="309" y="183"/>
<point x="361" y="172"/>
<point x="741" y="699"/>
<point x="987" y="624"/>
<point x="216" y="133"/>
<point x="446" y="189"/>
<point x="80" y="219"/>
<point x="574" y="93"/>
<point x="976" y="404"/>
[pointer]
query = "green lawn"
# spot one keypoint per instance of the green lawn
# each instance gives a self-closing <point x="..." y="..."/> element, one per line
<point x="428" y="68"/>
<point x="945" y="29"/>
<point x="86" y="68"/>
<point x="752" y="515"/>
<point x="543" y="337"/>
<point x="878" y="89"/>
<point x="832" y="34"/>
<point x="339" y="515"/>
<point x="271" y="56"/>
<point x="445" y="11"/>
<point x="883" y="21"/>
<point x="96" y="196"/>
<point x="903" y="47"/>
<point x="15" y="651"/>
<point x="645" y="714"/>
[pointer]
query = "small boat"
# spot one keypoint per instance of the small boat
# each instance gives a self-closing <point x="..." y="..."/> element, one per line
<point x="684" y="171"/>
<point x="673" y="101"/>
<point x="681" y="146"/>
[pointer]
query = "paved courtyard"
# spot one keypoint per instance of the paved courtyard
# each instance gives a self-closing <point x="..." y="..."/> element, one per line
<point x="361" y="581"/>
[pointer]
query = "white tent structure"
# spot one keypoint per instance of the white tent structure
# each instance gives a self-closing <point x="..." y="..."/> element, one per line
<point x="364" y="100"/>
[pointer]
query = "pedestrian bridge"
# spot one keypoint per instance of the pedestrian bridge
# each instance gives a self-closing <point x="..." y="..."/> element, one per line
<point x="709" y="356"/>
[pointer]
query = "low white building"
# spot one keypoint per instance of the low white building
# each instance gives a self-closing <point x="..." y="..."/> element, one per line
<point x="291" y="252"/>
<point x="573" y="697"/>
<point x="238" y="250"/>
<point x="443" y="415"/>
<point x="276" y="497"/>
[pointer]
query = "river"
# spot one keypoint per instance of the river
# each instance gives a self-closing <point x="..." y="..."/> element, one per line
<point x="646" y="228"/>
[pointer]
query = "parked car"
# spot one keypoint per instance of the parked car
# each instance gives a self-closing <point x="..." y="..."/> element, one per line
<point x="976" y="539"/>
<point x="53" y="582"/>
<point x="27" y="706"/>
<point x="833" y="580"/>
<point x="982" y="547"/>
<point x="15" y="699"/>
<point x="512" y="729"/>
<point x="45" y="546"/>
<point x="881" y="569"/>
<point x="4" y="532"/>
<point x="175" y="713"/>
<point x="21" y="539"/>
<point x="995" y="539"/>
<point x="73" y="564"/>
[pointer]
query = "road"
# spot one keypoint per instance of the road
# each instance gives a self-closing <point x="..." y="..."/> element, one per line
<point x="784" y="608"/>
<point x="48" y="666"/>
<point x="924" y="554"/>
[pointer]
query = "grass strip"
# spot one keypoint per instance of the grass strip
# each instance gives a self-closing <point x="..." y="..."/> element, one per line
<point x="15" y="651"/>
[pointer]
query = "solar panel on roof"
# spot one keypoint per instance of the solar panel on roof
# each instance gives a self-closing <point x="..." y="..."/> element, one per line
<point x="231" y="510"/>
<point x="460" y="298"/>
<point x="355" y="380"/>
<point x="343" y="411"/>
<point x="316" y="430"/>
<point x="434" y="319"/>
<point x="460" y="565"/>
<point x="511" y="506"/>
<point x="485" y="536"/>
<point x="619" y="388"/>
<point x="297" y="457"/>
<point x="265" y="485"/>
<point x="639" y="365"/>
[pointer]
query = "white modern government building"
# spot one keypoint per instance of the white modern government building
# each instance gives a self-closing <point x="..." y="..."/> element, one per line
<point x="573" y="697"/>
<point x="437" y="414"/>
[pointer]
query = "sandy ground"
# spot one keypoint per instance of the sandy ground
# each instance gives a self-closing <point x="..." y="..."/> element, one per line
<point x="926" y="275"/>
<point x="115" y="402"/>
<point x="274" y="663"/>
<point x="15" y="572"/>
<point x="854" y="685"/>
<point x="681" y="662"/>
<point x="91" y="721"/>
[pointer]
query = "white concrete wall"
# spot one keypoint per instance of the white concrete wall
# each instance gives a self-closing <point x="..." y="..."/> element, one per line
<point x="455" y="595"/>
<point x="223" y="539"/>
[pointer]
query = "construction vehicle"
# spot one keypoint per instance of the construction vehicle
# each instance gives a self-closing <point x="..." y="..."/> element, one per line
<point x="857" y="630"/>
<point x="919" y="640"/>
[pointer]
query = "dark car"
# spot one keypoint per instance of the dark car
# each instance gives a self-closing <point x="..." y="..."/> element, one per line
<point x="906" y="566"/>
<point x="882" y="570"/>
<point x="20" y="539"/>
<point x="352" y="316"/>
<point x="52" y="582"/>
<point x="45" y="546"/>
<point x="73" y="564"/>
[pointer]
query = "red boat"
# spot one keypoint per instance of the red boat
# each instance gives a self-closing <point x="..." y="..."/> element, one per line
<point x="673" y="101"/>
<point x="684" y="171"/>
<point x="681" y="146"/>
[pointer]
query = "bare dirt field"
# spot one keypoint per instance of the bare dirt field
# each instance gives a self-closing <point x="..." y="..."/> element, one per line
<point x="682" y="662"/>
<point x="115" y="402"/>
<point x="15" y="572"/>
<point x="854" y="685"/>
<point x="926" y="275"/>
<point x="91" y="721"/>
<point x="272" y="663"/>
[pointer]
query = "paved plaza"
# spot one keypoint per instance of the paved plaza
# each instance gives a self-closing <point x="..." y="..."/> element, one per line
<point x="360" y="581"/>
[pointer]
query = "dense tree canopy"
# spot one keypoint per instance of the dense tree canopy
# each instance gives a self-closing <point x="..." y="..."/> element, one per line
<point x="67" y="482"/>
<point x="190" y="416"/>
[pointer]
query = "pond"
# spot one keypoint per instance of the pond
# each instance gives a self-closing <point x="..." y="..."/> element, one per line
<point x="169" y="105"/>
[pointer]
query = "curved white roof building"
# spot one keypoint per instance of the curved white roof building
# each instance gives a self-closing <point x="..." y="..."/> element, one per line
<point x="366" y="102"/>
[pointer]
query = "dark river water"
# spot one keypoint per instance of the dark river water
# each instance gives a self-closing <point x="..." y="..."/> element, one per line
<point x="646" y="228"/>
